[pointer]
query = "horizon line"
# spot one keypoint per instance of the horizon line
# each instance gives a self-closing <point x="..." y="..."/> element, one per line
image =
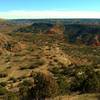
<point x="47" y="14"/>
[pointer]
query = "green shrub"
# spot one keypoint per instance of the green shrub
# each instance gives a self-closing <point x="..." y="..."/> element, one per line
<point x="24" y="90"/>
<point x="64" y="85"/>
<point x="55" y="70"/>
<point x="3" y="74"/>
<point x="27" y="82"/>
<point x="86" y="80"/>
<point x="11" y="96"/>
<point x="13" y="79"/>
<point x="3" y="90"/>
<point x="3" y="84"/>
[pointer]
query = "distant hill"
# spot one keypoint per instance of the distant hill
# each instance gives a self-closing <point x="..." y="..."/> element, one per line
<point x="52" y="21"/>
<point x="83" y="33"/>
<point x="6" y="26"/>
<point x="36" y="28"/>
<point x="88" y="34"/>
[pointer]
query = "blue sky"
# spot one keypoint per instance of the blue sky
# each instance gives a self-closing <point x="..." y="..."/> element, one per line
<point x="26" y="6"/>
<point x="84" y="5"/>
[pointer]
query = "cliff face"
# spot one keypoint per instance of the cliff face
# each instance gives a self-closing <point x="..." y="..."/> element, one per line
<point x="97" y="40"/>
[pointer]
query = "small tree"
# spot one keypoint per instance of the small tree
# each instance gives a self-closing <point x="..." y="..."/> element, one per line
<point x="86" y="81"/>
<point x="45" y="87"/>
<point x="24" y="90"/>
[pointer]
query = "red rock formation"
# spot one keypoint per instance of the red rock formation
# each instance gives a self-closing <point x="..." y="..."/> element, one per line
<point x="97" y="40"/>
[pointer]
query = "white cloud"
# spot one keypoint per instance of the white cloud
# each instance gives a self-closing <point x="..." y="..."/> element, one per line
<point x="49" y="14"/>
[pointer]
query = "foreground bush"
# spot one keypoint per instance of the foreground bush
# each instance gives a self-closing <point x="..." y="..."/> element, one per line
<point x="64" y="85"/>
<point x="3" y="91"/>
<point x="11" y="96"/>
<point x="77" y="78"/>
<point x="86" y="80"/>
<point x="44" y="87"/>
<point x="24" y="90"/>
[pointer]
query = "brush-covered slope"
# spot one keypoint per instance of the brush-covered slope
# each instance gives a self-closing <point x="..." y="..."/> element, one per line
<point x="41" y="52"/>
<point x="9" y="44"/>
<point x="20" y="56"/>
<point x="28" y="60"/>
